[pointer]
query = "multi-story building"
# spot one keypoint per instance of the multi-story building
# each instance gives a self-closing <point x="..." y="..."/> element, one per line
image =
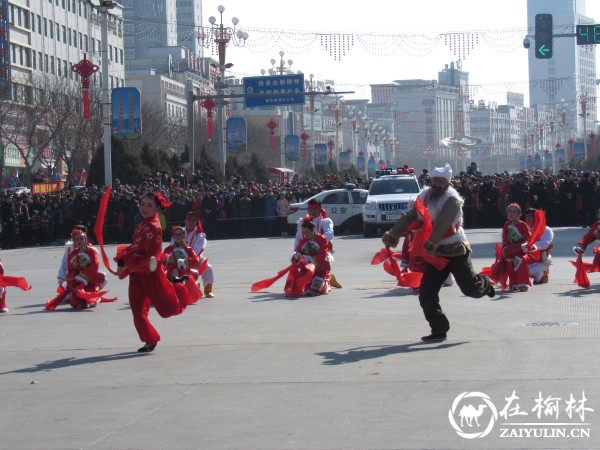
<point x="565" y="84"/>
<point x="45" y="39"/>
<point x="148" y="24"/>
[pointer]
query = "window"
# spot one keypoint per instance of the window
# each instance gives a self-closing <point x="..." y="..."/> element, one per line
<point x="85" y="42"/>
<point x="33" y="22"/>
<point x="51" y="29"/>
<point x="34" y="62"/>
<point x="64" y="34"/>
<point x="46" y="65"/>
<point x="110" y="52"/>
<point x="58" y="68"/>
<point x="39" y="24"/>
<point x="65" y="71"/>
<point x="45" y="27"/>
<point x="80" y="40"/>
<point x="121" y="55"/>
<point x="58" y="32"/>
<point x="40" y="61"/>
<point x="52" y="67"/>
<point x="359" y="197"/>
<point x="336" y="198"/>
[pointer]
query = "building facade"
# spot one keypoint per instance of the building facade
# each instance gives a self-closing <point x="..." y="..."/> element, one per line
<point x="565" y="85"/>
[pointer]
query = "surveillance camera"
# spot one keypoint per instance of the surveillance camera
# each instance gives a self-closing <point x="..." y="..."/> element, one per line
<point x="526" y="42"/>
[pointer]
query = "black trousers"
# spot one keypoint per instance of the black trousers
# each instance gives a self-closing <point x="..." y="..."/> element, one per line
<point x="470" y="283"/>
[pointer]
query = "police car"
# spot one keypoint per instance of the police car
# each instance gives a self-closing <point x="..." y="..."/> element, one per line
<point x="342" y="206"/>
<point x="391" y="194"/>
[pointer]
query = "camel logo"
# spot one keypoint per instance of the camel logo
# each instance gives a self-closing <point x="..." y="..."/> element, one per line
<point x="471" y="413"/>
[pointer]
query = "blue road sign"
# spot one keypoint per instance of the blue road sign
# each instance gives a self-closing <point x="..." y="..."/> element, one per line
<point x="287" y="90"/>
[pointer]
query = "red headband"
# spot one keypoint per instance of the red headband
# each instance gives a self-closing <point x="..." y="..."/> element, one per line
<point x="76" y="231"/>
<point x="177" y="227"/>
<point x="161" y="200"/>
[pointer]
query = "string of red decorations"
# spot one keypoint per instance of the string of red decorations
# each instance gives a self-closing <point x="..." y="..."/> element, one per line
<point x="272" y="125"/>
<point x="304" y="137"/>
<point x="209" y="105"/>
<point x="85" y="68"/>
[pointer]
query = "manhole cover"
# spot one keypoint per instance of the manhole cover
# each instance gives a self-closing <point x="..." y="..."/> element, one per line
<point x="552" y="323"/>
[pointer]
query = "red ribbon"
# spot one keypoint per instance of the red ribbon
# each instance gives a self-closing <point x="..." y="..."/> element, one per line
<point x="99" y="228"/>
<point x="423" y="235"/>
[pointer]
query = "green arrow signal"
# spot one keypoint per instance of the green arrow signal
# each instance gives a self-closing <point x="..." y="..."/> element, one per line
<point x="543" y="50"/>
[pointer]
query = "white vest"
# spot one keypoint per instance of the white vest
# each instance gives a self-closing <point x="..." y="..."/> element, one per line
<point x="434" y="209"/>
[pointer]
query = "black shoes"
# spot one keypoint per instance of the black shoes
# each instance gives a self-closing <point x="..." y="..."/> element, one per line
<point x="435" y="336"/>
<point x="491" y="293"/>
<point x="182" y="279"/>
<point x="146" y="348"/>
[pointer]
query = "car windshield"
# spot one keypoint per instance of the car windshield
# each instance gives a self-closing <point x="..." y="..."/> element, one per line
<point x="394" y="186"/>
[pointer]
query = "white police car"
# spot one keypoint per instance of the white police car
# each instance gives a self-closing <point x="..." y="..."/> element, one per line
<point x="342" y="206"/>
<point x="391" y="194"/>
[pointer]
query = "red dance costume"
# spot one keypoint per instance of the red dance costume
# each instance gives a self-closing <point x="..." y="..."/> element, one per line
<point x="592" y="235"/>
<point x="83" y="275"/>
<point x="513" y="236"/>
<point x="310" y="268"/>
<point x="154" y="288"/>
<point x="184" y="259"/>
<point x="6" y="281"/>
<point x="84" y="281"/>
<point x="409" y="260"/>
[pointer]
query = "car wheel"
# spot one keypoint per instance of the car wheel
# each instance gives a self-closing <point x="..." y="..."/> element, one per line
<point x="369" y="230"/>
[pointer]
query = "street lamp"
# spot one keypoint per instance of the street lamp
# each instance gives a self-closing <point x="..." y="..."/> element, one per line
<point x="103" y="7"/>
<point x="284" y="112"/>
<point x="222" y="36"/>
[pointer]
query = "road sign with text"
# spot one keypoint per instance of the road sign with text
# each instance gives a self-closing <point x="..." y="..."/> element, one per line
<point x="274" y="90"/>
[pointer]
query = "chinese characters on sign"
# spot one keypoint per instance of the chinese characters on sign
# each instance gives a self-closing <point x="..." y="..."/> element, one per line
<point x="279" y="86"/>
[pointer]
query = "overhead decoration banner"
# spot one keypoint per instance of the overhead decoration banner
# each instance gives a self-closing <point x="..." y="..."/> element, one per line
<point x="237" y="140"/>
<point x="320" y="154"/>
<point x="292" y="147"/>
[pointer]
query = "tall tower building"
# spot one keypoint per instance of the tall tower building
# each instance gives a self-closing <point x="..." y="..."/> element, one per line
<point x="149" y="23"/>
<point x="565" y="84"/>
<point x="189" y="21"/>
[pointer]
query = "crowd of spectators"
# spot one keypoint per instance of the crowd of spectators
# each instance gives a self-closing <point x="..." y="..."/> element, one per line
<point x="243" y="209"/>
<point x="237" y="209"/>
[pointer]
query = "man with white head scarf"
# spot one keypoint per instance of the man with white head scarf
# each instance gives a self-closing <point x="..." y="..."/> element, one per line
<point x="447" y="242"/>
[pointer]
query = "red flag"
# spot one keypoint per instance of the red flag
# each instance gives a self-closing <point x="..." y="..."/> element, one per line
<point x="581" y="277"/>
<point x="99" y="227"/>
<point x="539" y="227"/>
<point x="382" y="255"/>
<point x="263" y="284"/>
<point x="19" y="282"/>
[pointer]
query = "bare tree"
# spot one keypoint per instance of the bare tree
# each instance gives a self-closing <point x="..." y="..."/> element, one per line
<point x="30" y="117"/>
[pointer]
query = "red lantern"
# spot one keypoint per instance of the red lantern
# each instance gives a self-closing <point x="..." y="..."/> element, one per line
<point x="85" y="68"/>
<point x="592" y="137"/>
<point x="272" y="125"/>
<point x="209" y="105"/>
<point x="305" y="137"/>
<point x="571" y="142"/>
<point x="330" y="144"/>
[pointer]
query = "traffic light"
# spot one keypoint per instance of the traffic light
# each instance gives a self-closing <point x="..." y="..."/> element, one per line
<point x="543" y="36"/>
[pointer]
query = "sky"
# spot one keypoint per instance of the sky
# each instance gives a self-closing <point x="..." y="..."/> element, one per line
<point x="393" y="40"/>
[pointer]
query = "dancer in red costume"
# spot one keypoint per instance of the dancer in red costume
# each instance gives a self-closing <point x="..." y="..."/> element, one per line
<point x="310" y="270"/>
<point x="515" y="233"/>
<point x="149" y="287"/>
<point x="6" y="281"/>
<point x="591" y="236"/>
<point x="181" y="261"/>
<point x="84" y="280"/>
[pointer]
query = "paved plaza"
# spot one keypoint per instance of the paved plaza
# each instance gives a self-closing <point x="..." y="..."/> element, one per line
<point x="260" y="371"/>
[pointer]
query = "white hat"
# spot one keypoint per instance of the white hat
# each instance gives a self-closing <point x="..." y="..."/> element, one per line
<point x="442" y="172"/>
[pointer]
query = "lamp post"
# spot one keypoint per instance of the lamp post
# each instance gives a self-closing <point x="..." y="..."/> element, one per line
<point x="222" y="36"/>
<point x="281" y="69"/>
<point x="103" y="7"/>
<point x="583" y="101"/>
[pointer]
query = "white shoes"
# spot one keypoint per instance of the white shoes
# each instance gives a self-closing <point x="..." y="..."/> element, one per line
<point x="3" y="310"/>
